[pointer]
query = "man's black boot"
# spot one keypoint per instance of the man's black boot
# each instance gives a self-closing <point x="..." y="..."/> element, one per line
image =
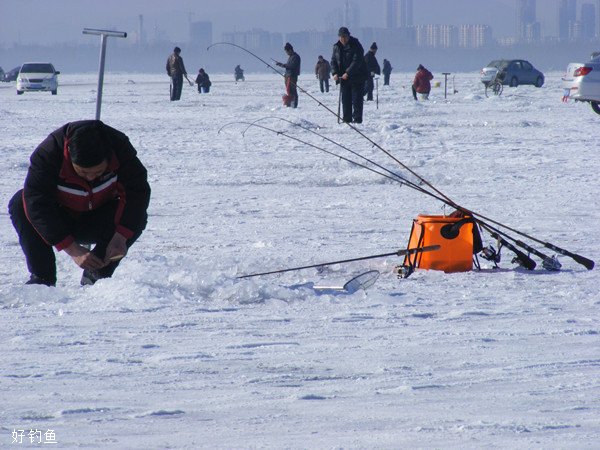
<point x="34" y="279"/>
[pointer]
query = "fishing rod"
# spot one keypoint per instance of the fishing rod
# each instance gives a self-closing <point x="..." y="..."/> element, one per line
<point x="399" y="177"/>
<point x="586" y="262"/>
<point x="282" y="133"/>
<point x="548" y="262"/>
<point x="409" y="251"/>
<point x="304" y="91"/>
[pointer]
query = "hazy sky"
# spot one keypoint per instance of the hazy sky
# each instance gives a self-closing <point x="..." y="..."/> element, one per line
<point x="53" y="21"/>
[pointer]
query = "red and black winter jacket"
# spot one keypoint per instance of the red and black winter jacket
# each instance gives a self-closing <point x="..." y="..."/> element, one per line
<point x="422" y="80"/>
<point x="52" y="186"/>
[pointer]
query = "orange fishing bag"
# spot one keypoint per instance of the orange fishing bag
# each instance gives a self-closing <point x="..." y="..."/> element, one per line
<point x="453" y="234"/>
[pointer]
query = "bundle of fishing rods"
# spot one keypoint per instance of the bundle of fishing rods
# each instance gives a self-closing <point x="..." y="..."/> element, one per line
<point x="497" y="230"/>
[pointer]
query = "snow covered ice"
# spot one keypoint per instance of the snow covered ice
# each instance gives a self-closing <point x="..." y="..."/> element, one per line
<point x="175" y="352"/>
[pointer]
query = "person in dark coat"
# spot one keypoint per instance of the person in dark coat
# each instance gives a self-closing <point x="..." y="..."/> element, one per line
<point x="176" y="70"/>
<point x="292" y="71"/>
<point x="203" y="82"/>
<point x="349" y="69"/>
<point x="373" y="69"/>
<point x="387" y="70"/>
<point x="422" y="83"/>
<point x="322" y="71"/>
<point x="84" y="185"/>
<point x="238" y="73"/>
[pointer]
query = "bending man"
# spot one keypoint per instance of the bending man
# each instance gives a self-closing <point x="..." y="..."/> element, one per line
<point x="84" y="185"/>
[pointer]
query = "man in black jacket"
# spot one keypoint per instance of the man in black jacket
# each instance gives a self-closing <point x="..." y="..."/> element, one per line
<point x="349" y="69"/>
<point x="292" y="71"/>
<point x="373" y="69"/>
<point x="84" y="185"/>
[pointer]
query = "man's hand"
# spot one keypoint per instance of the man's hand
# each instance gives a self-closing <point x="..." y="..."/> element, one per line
<point x="345" y="77"/>
<point x="336" y="78"/>
<point x="83" y="257"/>
<point x="117" y="248"/>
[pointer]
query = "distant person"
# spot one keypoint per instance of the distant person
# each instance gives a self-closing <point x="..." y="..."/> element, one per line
<point x="292" y="71"/>
<point x="349" y="69"/>
<point x="203" y="82"/>
<point x="422" y="83"/>
<point x="322" y="71"/>
<point x="176" y="70"/>
<point x="373" y="69"/>
<point x="84" y="185"/>
<point x="238" y="73"/>
<point x="387" y="70"/>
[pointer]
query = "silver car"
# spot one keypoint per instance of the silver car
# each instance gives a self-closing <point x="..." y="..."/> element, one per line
<point x="582" y="82"/>
<point x="512" y="72"/>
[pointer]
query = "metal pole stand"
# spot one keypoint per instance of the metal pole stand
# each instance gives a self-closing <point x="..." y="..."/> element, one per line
<point x="445" y="83"/>
<point x="103" y="35"/>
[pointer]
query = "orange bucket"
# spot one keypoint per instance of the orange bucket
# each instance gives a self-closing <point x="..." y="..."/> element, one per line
<point x="455" y="240"/>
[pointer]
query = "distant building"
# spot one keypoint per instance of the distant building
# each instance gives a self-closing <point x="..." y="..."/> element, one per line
<point x="351" y="15"/>
<point x="320" y="39"/>
<point x="474" y="36"/>
<point x="257" y="39"/>
<point x="528" y="28"/>
<point x="390" y="13"/>
<point x="398" y="13"/>
<point x="436" y="36"/>
<point x="588" y="21"/>
<point x="299" y="39"/>
<point x="405" y="13"/>
<point x="201" y="34"/>
<point x="348" y="16"/>
<point x="567" y="16"/>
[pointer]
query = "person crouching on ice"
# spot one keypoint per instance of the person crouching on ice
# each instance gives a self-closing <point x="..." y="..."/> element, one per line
<point x="85" y="185"/>
<point x="421" y="86"/>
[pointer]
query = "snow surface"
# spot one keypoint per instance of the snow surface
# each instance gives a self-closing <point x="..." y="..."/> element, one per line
<point x="175" y="352"/>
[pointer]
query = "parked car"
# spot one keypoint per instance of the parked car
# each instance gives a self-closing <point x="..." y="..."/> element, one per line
<point x="11" y="75"/>
<point x="37" y="77"/>
<point x="582" y="82"/>
<point x="512" y="72"/>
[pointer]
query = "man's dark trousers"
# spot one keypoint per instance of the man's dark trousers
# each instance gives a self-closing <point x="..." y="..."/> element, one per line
<point x="352" y="101"/>
<point x="176" y="86"/>
<point x="96" y="226"/>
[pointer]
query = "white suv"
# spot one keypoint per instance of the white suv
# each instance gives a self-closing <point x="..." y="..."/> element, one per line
<point x="37" y="77"/>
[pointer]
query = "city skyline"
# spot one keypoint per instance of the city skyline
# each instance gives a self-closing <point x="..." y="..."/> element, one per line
<point x="448" y="39"/>
<point x="170" y="22"/>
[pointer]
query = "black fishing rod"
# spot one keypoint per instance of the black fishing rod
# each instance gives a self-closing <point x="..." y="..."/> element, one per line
<point x="283" y="133"/>
<point x="525" y="260"/>
<point x="399" y="178"/>
<point x="304" y="91"/>
<point x="586" y="262"/>
<point x="404" y="252"/>
<point x="549" y="263"/>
